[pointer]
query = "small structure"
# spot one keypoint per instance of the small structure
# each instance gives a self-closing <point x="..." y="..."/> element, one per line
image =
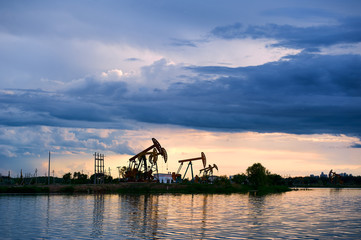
<point x="165" y="178"/>
<point x="323" y="175"/>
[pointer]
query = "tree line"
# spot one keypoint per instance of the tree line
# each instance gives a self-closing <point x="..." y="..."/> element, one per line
<point x="255" y="175"/>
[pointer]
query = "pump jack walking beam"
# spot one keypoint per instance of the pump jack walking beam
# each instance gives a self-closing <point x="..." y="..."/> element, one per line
<point x="190" y="160"/>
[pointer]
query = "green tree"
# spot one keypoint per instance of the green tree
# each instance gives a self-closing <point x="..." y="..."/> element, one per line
<point x="257" y="175"/>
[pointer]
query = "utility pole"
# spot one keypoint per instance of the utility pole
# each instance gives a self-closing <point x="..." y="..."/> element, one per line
<point x="49" y="170"/>
<point x="119" y="172"/>
<point x="95" y="168"/>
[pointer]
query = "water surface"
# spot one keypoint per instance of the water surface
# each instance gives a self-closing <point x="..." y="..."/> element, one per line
<point x="314" y="214"/>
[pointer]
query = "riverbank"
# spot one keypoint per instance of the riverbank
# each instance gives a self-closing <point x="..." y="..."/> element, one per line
<point x="326" y="186"/>
<point x="143" y="188"/>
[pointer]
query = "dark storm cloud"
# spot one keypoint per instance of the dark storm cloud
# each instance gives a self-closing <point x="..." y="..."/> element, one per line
<point x="31" y="108"/>
<point x="306" y="93"/>
<point x="94" y="88"/>
<point x="347" y="31"/>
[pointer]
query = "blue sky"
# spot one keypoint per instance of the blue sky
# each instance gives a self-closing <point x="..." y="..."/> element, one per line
<point x="276" y="82"/>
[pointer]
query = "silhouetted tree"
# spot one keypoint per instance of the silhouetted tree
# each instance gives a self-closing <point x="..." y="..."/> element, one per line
<point x="275" y="179"/>
<point x="67" y="177"/>
<point x="222" y="180"/>
<point x="80" y="178"/>
<point x="75" y="175"/>
<point x="108" y="179"/>
<point x="257" y="175"/>
<point x="239" y="178"/>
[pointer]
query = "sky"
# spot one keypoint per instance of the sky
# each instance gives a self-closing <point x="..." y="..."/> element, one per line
<point x="274" y="82"/>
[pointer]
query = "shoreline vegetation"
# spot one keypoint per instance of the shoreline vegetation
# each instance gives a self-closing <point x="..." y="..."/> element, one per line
<point x="256" y="181"/>
<point x="144" y="188"/>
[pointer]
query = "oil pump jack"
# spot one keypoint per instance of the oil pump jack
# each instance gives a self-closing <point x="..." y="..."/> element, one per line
<point x="207" y="173"/>
<point x="190" y="160"/>
<point x="143" y="166"/>
<point x="335" y="178"/>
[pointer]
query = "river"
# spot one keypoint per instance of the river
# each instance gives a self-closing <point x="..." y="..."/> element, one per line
<point x="311" y="214"/>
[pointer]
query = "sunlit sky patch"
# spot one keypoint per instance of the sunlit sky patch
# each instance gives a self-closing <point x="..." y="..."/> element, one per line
<point x="276" y="82"/>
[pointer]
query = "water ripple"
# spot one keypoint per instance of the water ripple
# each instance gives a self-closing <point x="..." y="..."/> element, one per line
<point x="316" y="214"/>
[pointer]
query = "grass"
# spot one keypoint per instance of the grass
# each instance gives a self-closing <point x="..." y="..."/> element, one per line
<point x="23" y="189"/>
<point x="67" y="189"/>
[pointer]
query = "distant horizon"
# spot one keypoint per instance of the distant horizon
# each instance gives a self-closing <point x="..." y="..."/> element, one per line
<point x="116" y="177"/>
<point x="115" y="174"/>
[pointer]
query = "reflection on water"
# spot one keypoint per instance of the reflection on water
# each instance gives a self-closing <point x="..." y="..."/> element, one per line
<point x="255" y="215"/>
<point x="204" y="215"/>
<point x="98" y="215"/>
<point x="47" y="215"/>
<point x="316" y="214"/>
<point x="143" y="214"/>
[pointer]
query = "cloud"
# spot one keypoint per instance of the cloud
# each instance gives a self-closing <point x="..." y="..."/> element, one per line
<point x="346" y="31"/>
<point x="305" y="93"/>
<point x="182" y="43"/>
<point x="109" y="84"/>
<point x="28" y="146"/>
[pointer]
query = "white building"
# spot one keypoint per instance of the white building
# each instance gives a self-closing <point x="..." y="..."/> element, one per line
<point x="165" y="178"/>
